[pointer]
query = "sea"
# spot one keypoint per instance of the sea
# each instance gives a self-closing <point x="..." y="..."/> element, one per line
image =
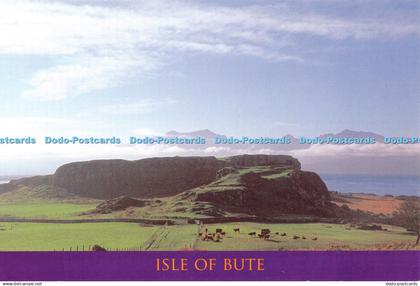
<point x="395" y="185"/>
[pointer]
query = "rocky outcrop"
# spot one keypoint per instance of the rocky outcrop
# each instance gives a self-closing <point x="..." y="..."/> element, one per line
<point x="300" y="193"/>
<point x="153" y="177"/>
<point x="147" y="178"/>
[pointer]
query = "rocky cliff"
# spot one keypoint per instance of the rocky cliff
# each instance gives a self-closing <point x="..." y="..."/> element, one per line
<point x="146" y="178"/>
<point x="265" y="192"/>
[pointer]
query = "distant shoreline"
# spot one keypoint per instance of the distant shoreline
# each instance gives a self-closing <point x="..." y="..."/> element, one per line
<point x="395" y="185"/>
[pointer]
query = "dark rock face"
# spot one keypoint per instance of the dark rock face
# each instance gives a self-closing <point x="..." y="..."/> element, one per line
<point x="301" y="193"/>
<point x="155" y="177"/>
<point x="146" y="178"/>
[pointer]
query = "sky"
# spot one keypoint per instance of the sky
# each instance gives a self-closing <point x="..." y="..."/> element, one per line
<point x="254" y="68"/>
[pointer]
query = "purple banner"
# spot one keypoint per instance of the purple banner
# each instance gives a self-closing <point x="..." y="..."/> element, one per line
<point x="257" y="265"/>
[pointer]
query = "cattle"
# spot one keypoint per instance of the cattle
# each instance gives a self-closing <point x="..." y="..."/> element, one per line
<point x="277" y="233"/>
<point x="209" y="237"/>
<point x="296" y="237"/>
<point x="284" y="234"/>
<point x="261" y="235"/>
<point x="252" y="233"/>
<point x="315" y="238"/>
<point x="303" y="237"/>
<point x="237" y="230"/>
<point x="265" y="231"/>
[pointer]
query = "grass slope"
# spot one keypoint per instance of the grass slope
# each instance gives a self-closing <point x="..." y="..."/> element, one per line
<point x="48" y="237"/>
<point x="44" y="210"/>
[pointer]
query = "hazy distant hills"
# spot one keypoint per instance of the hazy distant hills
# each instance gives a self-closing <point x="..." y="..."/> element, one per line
<point x="351" y="133"/>
<point x="205" y="133"/>
<point x="327" y="158"/>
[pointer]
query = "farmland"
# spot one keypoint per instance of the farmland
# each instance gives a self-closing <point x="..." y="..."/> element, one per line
<point x="328" y="237"/>
<point x="43" y="210"/>
<point x="133" y="236"/>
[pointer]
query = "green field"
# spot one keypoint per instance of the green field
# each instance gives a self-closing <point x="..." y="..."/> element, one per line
<point x="329" y="236"/>
<point x="125" y="236"/>
<point x="133" y="236"/>
<point x="49" y="236"/>
<point x="44" y="210"/>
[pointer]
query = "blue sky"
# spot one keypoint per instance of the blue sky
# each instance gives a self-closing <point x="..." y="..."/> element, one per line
<point x="252" y="68"/>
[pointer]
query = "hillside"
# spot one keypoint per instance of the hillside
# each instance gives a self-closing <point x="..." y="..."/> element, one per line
<point x="146" y="178"/>
<point x="250" y="185"/>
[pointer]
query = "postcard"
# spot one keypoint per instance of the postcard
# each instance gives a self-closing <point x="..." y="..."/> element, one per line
<point x="248" y="140"/>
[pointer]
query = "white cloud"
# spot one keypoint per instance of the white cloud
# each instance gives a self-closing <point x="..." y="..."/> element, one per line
<point x="137" y="107"/>
<point x="101" y="46"/>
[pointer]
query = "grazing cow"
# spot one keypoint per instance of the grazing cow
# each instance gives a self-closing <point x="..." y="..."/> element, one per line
<point x="252" y="233"/>
<point x="303" y="237"/>
<point x="284" y="234"/>
<point x="265" y="231"/>
<point x="277" y="233"/>
<point x="237" y="230"/>
<point x="296" y="237"/>
<point x="315" y="238"/>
